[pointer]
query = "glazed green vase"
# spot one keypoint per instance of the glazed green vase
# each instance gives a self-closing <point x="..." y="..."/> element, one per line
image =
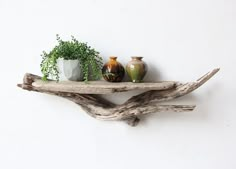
<point x="136" y="69"/>
<point x="113" y="71"/>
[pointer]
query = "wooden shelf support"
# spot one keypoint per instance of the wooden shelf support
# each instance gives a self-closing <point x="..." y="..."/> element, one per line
<point x="87" y="96"/>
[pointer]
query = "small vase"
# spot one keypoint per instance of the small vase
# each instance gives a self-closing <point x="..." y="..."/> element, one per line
<point x="113" y="71"/>
<point x="70" y="70"/>
<point x="136" y="69"/>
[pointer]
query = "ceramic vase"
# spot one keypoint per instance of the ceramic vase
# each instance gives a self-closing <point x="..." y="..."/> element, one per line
<point x="70" y="70"/>
<point x="136" y="69"/>
<point x="113" y="71"/>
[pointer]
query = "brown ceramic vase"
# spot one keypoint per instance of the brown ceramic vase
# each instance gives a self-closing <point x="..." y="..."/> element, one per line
<point x="113" y="71"/>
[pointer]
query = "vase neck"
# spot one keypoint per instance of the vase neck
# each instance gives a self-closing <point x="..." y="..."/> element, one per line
<point x="113" y="58"/>
<point x="137" y="58"/>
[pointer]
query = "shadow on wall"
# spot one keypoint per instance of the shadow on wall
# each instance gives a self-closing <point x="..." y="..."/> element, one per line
<point x="153" y="74"/>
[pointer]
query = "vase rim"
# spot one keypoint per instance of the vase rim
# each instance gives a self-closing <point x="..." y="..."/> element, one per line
<point x="113" y="57"/>
<point x="137" y="57"/>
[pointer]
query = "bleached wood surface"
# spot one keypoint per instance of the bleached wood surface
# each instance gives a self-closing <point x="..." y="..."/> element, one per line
<point x="99" y="87"/>
<point x="145" y="103"/>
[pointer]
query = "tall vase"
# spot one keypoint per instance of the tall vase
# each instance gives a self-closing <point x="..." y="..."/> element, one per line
<point x="113" y="71"/>
<point x="136" y="69"/>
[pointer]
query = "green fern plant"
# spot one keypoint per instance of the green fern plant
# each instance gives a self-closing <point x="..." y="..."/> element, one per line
<point x="90" y="61"/>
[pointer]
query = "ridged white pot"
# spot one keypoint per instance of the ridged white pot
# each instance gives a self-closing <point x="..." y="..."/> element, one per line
<point x="70" y="70"/>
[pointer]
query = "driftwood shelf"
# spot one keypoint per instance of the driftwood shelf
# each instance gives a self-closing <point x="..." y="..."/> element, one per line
<point x="87" y="96"/>
<point x="99" y="87"/>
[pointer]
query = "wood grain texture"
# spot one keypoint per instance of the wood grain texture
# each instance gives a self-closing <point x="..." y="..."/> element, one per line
<point x="145" y="103"/>
<point x="99" y="87"/>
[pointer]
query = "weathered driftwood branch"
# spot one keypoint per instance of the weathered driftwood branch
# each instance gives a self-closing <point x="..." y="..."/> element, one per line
<point x="145" y="103"/>
<point x="99" y="87"/>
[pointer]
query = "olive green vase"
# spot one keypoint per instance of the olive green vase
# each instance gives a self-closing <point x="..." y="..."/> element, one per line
<point x="113" y="71"/>
<point x="136" y="69"/>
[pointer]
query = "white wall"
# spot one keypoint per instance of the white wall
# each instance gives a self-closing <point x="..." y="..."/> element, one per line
<point x="180" y="40"/>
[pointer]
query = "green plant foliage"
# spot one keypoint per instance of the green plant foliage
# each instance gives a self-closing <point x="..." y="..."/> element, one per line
<point x="90" y="61"/>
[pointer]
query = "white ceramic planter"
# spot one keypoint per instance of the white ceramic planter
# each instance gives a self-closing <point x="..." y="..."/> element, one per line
<point x="70" y="70"/>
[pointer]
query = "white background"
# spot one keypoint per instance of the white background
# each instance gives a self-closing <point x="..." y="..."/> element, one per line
<point x="179" y="40"/>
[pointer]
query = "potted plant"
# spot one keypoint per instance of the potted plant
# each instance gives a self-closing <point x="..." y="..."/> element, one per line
<point x="79" y="61"/>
